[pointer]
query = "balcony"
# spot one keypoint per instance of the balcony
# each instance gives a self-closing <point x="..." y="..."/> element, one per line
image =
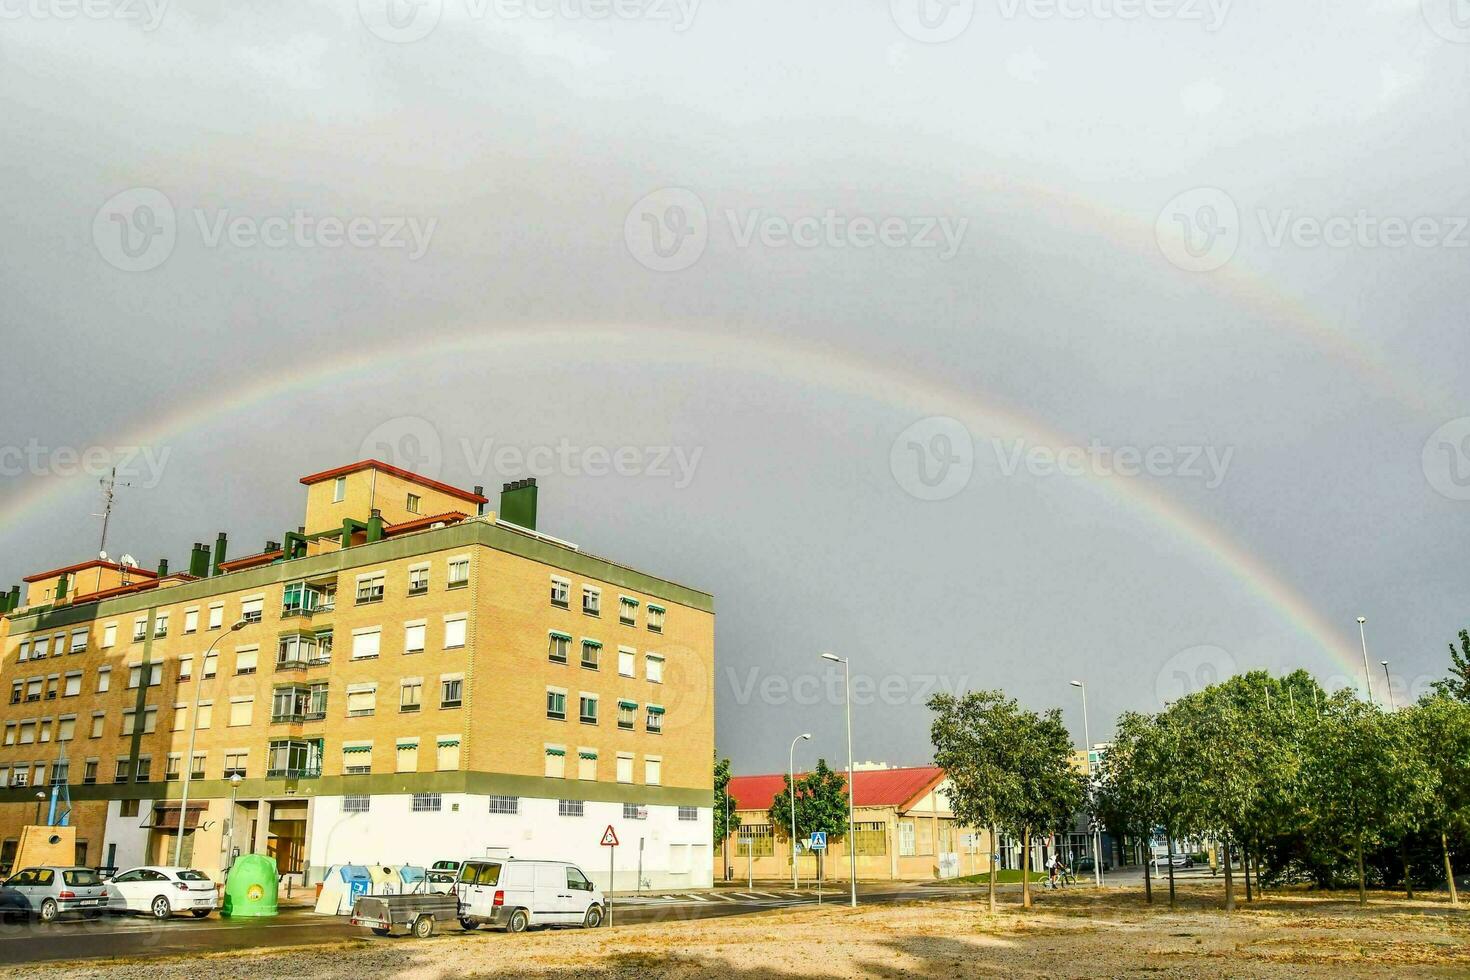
<point x="305" y="772"/>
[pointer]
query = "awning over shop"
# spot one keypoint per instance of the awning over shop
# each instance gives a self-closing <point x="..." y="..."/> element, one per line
<point x="165" y="816"/>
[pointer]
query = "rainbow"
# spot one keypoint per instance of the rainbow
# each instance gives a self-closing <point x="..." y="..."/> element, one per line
<point x="780" y="358"/>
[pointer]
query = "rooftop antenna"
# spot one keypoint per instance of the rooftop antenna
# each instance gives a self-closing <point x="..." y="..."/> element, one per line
<point x="109" y="491"/>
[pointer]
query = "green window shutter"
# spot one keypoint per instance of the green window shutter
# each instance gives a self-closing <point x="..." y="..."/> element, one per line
<point x="654" y="709"/>
<point x="556" y="752"/>
<point x="622" y="703"/>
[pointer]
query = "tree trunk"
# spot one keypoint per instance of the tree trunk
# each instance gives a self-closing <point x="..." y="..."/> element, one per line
<point x="1362" y="880"/>
<point x="1260" y="888"/>
<point x="1449" y="871"/>
<point x="1026" y="867"/>
<point x="1171" y="869"/>
<point x="1229" y="877"/>
<point x="993" y="840"/>
<point x="1408" y="874"/>
<point x="1245" y="869"/>
<point x="1148" y="885"/>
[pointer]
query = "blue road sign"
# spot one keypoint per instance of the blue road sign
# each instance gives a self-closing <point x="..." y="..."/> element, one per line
<point x="819" y="840"/>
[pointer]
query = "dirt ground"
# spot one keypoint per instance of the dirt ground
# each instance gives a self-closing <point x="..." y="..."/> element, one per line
<point x="1077" y="934"/>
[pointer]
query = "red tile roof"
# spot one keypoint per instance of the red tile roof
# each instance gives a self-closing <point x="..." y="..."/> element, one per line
<point x="364" y="464"/>
<point x="448" y="517"/>
<point x="871" y="787"/>
<point x="250" y="561"/>
<point x="83" y="566"/>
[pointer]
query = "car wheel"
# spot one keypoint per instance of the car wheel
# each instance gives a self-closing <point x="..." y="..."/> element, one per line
<point x="200" y="913"/>
<point x="49" y="910"/>
<point x="593" y="918"/>
<point x="469" y="925"/>
<point x="518" y="921"/>
<point x="160" y="908"/>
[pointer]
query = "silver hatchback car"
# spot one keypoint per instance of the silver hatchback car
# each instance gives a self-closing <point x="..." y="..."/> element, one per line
<point x="49" y="891"/>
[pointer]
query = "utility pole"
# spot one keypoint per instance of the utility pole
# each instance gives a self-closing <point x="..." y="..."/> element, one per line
<point x="1367" y="674"/>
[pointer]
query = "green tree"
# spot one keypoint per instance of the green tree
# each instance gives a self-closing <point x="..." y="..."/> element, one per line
<point x="1051" y="791"/>
<point x="723" y="803"/>
<point x="1440" y="727"/>
<point x="1457" y="685"/>
<point x="1131" y="784"/>
<point x="975" y="740"/>
<point x="821" y="804"/>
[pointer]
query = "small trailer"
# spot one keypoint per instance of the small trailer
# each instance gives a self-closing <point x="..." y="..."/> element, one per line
<point x="415" y="914"/>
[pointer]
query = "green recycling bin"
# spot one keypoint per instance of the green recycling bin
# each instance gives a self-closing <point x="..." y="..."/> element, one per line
<point x="250" y="888"/>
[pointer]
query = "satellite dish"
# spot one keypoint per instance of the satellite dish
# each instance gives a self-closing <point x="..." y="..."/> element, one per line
<point x="130" y="561"/>
<point x="102" y="555"/>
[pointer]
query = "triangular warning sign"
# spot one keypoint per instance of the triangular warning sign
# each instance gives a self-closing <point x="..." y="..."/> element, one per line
<point x="609" y="837"/>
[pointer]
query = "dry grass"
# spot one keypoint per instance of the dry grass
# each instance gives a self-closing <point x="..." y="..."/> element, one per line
<point x="1075" y="934"/>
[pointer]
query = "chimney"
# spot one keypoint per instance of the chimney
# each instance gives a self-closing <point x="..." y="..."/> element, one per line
<point x="518" y="503"/>
<point x="162" y="567"/>
<point x="272" y="546"/>
<point x="479" y="508"/>
<point x="374" y="526"/>
<point x="14" y="601"/>
<point x="61" y="587"/>
<point x="220" y="541"/>
<point x="199" y="560"/>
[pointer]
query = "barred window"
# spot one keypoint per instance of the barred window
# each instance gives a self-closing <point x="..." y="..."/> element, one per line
<point x="356" y="804"/>
<point x="427" y="802"/>
<point x="570" y="808"/>
<point x="869" y="839"/>
<point x="632" y="811"/>
<point x="505" y="804"/>
<point x="755" y="840"/>
<point x="688" y="813"/>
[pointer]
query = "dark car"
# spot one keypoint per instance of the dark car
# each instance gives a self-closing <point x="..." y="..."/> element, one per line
<point x="1084" y="865"/>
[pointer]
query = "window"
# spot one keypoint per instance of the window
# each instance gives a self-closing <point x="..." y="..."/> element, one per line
<point x="196" y="771"/>
<point x="89" y="772"/>
<point x="570" y="808"/>
<point x="427" y="802"/>
<point x="203" y="715"/>
<point x="73" y="685"/>
<point x="627" y="611"/>
<point x="122" y="774"/>
<point x="556" y="703"/>
<point x="410" y="694"/>
<point x="66" y="728"/>
<point x="129" y="724"/>
<point x="52" y="683"/>
<point x="290" y="703"/>
<point x="78" y="641"/>
<point x="191" y="620"/>
<point x="755" y="840"/>
<point x="241" y="711"/>
<point x="293" y="650"/>
<point x="181" y="717"/>
<point x="171" y="766"/>
<point x="216" y="615"/>
<point x="104" y="679"/>
<point x="688" y="814"/>
<point x="591" y="654"/>
<point x="451" y="691"/>
<point x="632" y="811"/>
<point x="144" y="770"/>
<point x="365" y="642"/>
<point x="655" y="618"/>
<point x="627" y="667"/>
<point x="627" y="715"/>
<point x="906" y="846"/>
<point x="235" y="763"/>
<point x="10" y="733"/>
<point x="454" y="632"/>
<point x="655" y="719"/>
<point x="246" y="659"/>
<point x="591" y="600"/>
<point x="42" y="644"/>
<point x="625" y="767"/>
<point x="557" y="647"/>
<point x="298" y="598"/>
<point x="252" y="610"/>
<point x="413" y="636"/>
<point x="140" y="630"/>
<point x="556" y="762"/>
<point x="447" y="758"/>
<point x="652" y="769"/>
<point x="653" y="668"/>
<point x="869" y="839"/>
<point x="407" y="757"/>
<point x="418" y="580"/>
<point x="211" y="665"/>
<point x="587" y="709"/>
<point x="357" y="803"/>
<point x="587" y="764"/>
<point x="339" y="489"/>
<point x="459" y="573"/>
<point x="357" y="758"/>
<point x="294" y="758"/>
<point x="505" y="804"/>
<point x="413" y="503"/>
<point x="362" y="700"/>
<point x="109" y="635"/>
<point x="33" y="688"/>
<point x="96" y="731"/>
<point x="370" y="588"/>
<point x="560" y="590"/>
<point x="186" y="669"/>
<point x="160" y="625"/>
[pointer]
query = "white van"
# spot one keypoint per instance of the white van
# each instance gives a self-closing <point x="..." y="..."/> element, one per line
<point x="515" y="895"/>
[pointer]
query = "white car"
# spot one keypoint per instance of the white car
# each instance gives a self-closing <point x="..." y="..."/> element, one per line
<point x="162" y="891"/>
<point x="514" y="895"/>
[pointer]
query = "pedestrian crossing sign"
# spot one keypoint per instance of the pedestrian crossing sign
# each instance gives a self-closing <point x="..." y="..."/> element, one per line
<point x="819" y="840"/>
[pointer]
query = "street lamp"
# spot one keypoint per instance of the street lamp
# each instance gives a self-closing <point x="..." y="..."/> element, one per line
<point x="791" y="771"/>
<point x="1388" y="685"/>
<point x="189" y="759"/>
<point x="1087" y="754"/>
<point x="40" y="798"/>
<point x="234" y="786"/>
<point x="1367" y="675"/>
<point x="851" y="806"/>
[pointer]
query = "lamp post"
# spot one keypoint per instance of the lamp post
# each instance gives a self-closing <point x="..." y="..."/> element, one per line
<point x="189" y="758"/>
<point x="230" y="851"/>
<point x="791" y="772"/>
<point x="1367" y="674"/>
<point x="1087" y="754"/>
<point x="851" y="805"/>
<point x="1387" y="686"/>
<point x="725" y="842"/>
<point x="40" y="798"/>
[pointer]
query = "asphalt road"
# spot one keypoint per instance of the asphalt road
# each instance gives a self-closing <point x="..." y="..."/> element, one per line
<point x="109" y="937"/>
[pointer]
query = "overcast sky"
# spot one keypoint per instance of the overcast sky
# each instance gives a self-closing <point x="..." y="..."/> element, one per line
<point x="990" y="344"/>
